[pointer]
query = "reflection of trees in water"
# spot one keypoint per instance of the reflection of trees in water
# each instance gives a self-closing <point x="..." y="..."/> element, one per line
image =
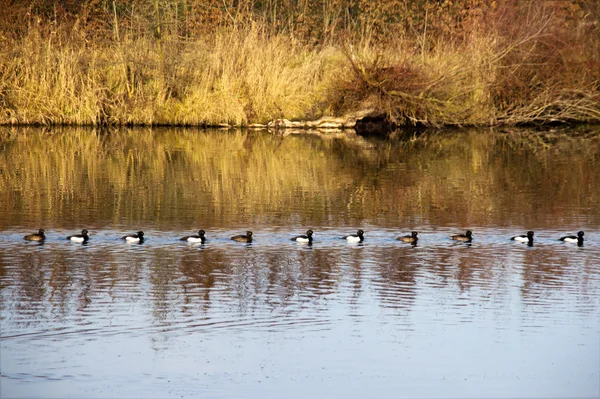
<point x="31" y="281"/>
<point x="282" y="281"/>
<point x="394" y="281"/>
<point x="298" y="277"/>
<point x="559" y="278"/>
<point x="63" y="283"/>
<point x="199" y="266"/>
<point x="75" y="176"/>
<point x="471" y="177"/>
<point x="476" y="273"/>
<point x="475" y="270"/>
<point x="57" y="283"/>
<point x="544" y="276"/>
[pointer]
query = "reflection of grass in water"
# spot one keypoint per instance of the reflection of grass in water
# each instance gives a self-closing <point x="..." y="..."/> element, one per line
<point x="191" y="175"/>
<point x="512" y="174"/>
<point x="472" y="179"/>
<point x="141" y="174"/>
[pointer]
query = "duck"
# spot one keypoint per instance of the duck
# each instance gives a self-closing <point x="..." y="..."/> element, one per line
<point x="528" y="238"/>
<point x="243" y="238"/>
<point x="137" y="237"/>
<point x="574" y="239"/>
<point x="83" y="237"/>
<point x="358" y="237"/>
<point x="39" y="236"/>
<point x="305" y="239"/>
<point x="411" y="238"/>
<point x="467" y="237"/>
<point x="200" y="238"/>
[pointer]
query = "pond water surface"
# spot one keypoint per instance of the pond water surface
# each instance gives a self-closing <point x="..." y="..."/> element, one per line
<point x="275" y="318"/>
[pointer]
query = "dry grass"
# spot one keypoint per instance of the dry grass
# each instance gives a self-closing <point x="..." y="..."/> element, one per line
<point x="235" y="77"/>
<point x="521" y="68"/>
<point x="445" y="86"/>
<point x="510" y="64"/>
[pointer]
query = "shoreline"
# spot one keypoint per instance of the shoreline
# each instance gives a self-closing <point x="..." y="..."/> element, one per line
<point x="322" y="124"/>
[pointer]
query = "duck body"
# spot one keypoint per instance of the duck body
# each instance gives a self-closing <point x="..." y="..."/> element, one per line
<point x="305" y="239"/>
<point x="467" y="237"/>
<point x="39" y="236"/>
<point x="83" y="237"/>
<point x="243" y="238"/>
<point x="358" y="237"/>
<point x="200" y="238"/>
<point x="411" y="238"/>
<point x="578" y="239"/>
<point x="528" y="238"/>
<point x="137" y="237"/>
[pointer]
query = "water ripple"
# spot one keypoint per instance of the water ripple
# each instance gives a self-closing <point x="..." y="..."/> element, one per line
<point x="381" y="294"/>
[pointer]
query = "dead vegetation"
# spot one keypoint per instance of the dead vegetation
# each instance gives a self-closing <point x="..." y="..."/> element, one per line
<point x="207" y="63"/>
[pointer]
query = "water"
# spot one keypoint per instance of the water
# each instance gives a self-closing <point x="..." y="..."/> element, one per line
<point x="279" y="319"/>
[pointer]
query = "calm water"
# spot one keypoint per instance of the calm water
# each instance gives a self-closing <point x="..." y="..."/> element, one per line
<point x="279" y="319"/>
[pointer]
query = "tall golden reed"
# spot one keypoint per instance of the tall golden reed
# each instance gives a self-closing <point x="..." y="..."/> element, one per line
<point x="232" y="77"/>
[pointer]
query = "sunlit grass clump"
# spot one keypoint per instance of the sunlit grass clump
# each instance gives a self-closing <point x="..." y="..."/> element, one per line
<point x="233" y="77"/>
